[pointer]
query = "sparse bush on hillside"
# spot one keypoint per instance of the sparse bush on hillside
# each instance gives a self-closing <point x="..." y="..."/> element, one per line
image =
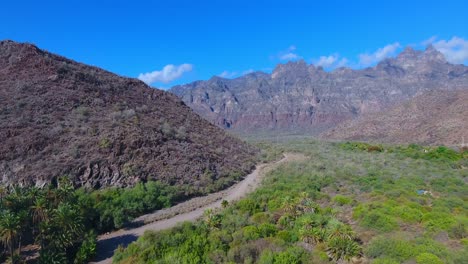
<point x="83" y="113"/>
<point x="104" y="143"/>
<point x="122" y="115"/>
<point x="167" y="130"/>
<point x="181" y="133"/>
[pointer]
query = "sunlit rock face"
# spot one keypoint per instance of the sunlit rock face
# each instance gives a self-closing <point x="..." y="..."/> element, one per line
<point x="302" y="98"/>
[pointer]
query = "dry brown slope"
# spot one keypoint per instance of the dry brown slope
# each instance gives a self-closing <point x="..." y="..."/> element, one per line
<point x="59" y="117"/>
<point x="431" y="118"/>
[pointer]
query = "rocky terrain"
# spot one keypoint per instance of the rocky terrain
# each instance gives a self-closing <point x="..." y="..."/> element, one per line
<point x="59" y="117"/>
<point x="302" y="98"/>
<point x="432" y="118"/>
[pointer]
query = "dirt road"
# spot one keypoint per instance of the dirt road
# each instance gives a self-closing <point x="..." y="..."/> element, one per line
<point x="189" y="210"/>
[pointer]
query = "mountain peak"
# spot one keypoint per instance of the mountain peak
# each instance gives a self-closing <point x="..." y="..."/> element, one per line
<point x="10" y="46"/>
<point x="409" y="52"/>
<point x="298" y="67"/>
<point x="432" y="54"/>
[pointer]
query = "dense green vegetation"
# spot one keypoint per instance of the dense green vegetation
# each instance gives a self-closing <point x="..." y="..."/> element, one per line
<point x="91" y="212"/>
<point x="347" y="202"/>
<point x="64" y="222"/>
<point x="114" y="207"/>
<point x="52" y="218"/>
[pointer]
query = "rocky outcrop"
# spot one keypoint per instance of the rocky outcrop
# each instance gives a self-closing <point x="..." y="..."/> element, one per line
<point x="433" y="118"/>
<point x="59" y="117"/>
<point x="298" y="97"/>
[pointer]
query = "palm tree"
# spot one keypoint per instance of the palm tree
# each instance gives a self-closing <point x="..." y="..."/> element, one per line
<point x="342" y="249"/>
<point x="211" y="219"/>
<point x="342" y="231"/>
<point x="305" y="235"/>
<point x="39" y="210"/>
<point x="318" y="235"/>
<point x="9" y="228"/>
<point x="289" y="205"/>
<point x="69" y="223"/>
<point x="64" y="190"/>
<point x="23" y="218"/>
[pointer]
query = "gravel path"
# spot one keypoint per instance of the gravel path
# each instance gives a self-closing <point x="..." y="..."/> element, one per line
<point x="189" y="210"/>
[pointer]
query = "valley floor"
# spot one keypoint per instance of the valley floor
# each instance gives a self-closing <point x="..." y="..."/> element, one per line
<point x="190" y="210"/>
<point x="340" y="203"/>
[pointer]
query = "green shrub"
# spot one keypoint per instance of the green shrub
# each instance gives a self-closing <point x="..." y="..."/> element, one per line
<point x="290" y="256"/>
<point x="426" y="245"/>
<point x="248" y="206"/>
<point x="385" y="260"/>
<point x="267" y="257"/>
<point x="267" y="230"/>
<point x="379" y="221"/>
<point x="435" y="221"/>
<point x="250" y="233"/>
<point x="260" y="218"/>
<point x="409" y="215"/>
<point x="341" y="200"/>
<point x="397" y="249"/>
<point x="87" y="249"/>
<point x="464" y="241"/>
<point x="284" y="235"/>
<point x="428" y="258"/>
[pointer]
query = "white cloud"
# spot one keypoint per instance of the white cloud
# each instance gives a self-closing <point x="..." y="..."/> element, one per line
<point x="247" y="71"/>
<point x="455" y="50"/>
<point x="331" y="61"/>
<point x="227" y="74"/>
<point x="367" y="59"/>
<point x="232" y="74"/>
<point x="343" y="62"/>
<point x="289" y="54"/>
<point x="327" y="61"/>
<point x="169" y="73"/>
<point x="429" y="41"/>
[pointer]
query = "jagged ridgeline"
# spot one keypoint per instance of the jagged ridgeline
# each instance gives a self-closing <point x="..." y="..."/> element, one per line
<point x="59" y="117"/>
<point x="305" y="99"/>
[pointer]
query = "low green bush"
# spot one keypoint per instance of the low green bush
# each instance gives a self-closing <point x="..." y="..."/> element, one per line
<point x="385" y="260"/>
<point x="379" y="221"/>
<point x="428" y="258"/>
<point x="435" y="221"/>
<point x="342" y="200"/>
<point x="389" y="247"/>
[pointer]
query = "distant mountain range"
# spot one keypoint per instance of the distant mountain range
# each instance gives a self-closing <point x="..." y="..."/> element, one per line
<point x="59" y="117"/>
<point x="302" y="98"/>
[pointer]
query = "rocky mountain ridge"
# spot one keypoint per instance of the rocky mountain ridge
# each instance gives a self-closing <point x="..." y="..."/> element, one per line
<point x="59" y="117"/>
<point x="303" y="98"/>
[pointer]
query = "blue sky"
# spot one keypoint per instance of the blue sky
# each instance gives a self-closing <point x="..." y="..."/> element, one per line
<point x="182" y="41"/>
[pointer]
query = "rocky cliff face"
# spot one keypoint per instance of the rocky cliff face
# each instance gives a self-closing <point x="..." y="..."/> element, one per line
<point x="434" y="118"/>
<point x="59" y="117"/>
<point x="303" y="98"/>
